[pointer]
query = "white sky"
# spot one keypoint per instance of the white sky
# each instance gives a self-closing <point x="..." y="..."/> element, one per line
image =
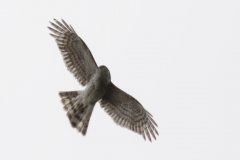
<point x="180" y="59"/>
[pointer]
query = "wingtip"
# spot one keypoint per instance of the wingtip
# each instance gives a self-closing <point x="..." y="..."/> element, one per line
<point x="49" y="28"/>
<point x="150" y="140"/>
<point x="144" y="137"/>
<point x="55" y="20"/>
<point x="51" y="22"/>
<point x="53" y="35"/>
<point x="156" y="132"/>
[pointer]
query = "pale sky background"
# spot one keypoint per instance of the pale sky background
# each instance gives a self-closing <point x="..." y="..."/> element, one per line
<point x="180" y="59"/>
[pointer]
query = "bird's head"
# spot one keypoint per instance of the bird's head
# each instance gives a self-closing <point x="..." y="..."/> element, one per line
<point x="105" y="72"/>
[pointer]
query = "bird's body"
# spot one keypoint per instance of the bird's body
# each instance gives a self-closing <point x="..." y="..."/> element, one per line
<point x="122" y="107"/>
<point x="97" y="86"/>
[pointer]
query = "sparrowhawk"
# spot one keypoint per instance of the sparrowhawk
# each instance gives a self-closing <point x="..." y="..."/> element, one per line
<point x="125" y="110"/>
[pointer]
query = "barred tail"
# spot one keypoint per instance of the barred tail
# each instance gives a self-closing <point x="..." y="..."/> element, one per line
<point x="79" y="114"/>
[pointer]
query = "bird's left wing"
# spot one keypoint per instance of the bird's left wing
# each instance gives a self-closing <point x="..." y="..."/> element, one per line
<point x="126" y="111"/>
<point x="76" y="54"/>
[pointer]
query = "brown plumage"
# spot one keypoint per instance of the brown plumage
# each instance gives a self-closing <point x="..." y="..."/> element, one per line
<point x="125" y="110"/>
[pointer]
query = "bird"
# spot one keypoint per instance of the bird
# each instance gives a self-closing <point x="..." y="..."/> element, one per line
<point x="124" y="109"/>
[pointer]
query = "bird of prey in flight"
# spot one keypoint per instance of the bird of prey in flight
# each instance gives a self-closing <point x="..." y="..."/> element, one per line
<point x="125" y="110"/>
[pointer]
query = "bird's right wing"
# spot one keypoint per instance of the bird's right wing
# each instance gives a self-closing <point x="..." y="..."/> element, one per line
<point x="76" y="54"/>
<point x="126" y="111"/>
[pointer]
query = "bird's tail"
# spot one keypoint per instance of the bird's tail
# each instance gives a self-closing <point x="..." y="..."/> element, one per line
<point x="78" y="113"/>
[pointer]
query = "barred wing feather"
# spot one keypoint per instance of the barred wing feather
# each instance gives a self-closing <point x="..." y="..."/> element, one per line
<point x="126" y="111"/>
<point x="75" y="52"/>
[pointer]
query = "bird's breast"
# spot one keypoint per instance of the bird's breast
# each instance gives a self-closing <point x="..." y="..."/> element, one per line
<point x="97" y="87"/>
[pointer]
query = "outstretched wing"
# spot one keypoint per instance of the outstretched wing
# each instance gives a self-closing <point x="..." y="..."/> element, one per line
<point x="76" y="54"/>
<point x="128" y="112"/>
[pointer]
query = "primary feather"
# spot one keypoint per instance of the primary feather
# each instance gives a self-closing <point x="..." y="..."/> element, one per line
<point x="76" y="54"/>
